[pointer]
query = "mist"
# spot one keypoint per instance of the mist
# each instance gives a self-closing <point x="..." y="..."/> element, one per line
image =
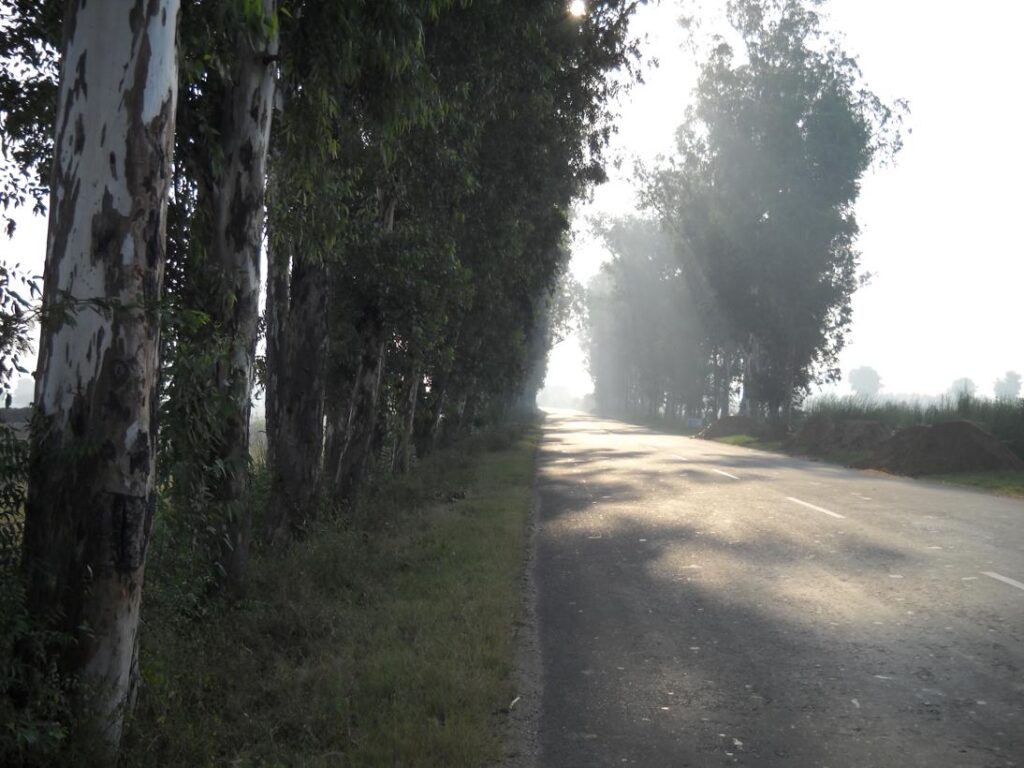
<point x="936" y="248"/>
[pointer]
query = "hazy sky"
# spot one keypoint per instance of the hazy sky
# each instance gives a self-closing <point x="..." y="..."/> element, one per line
<point x="938" y="229"/>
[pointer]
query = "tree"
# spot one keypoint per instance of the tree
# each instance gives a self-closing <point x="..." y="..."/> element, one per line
<point x="964" y="387"/>
<point x="647" y="344"/>
<point x="865" y="381"/>
<point x="91" y="487"/>
<point x="334" y="251"/>
<point x="229" y="58"/>
<point x="30" y="36"/>
<point x="457" y="149"/>
<point x="1008" y="387"/>
<point x="762" y="193"/>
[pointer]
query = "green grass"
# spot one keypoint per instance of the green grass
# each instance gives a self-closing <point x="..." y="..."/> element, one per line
<point x="387" y="640"/>
<point x="745" y="441"/>
<point x="749" y="441"/>
<point x="1010" y="483"/>
<point x="1006" y="483"/>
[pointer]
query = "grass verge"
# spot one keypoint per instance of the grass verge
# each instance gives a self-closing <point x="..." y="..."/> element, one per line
<point x="1009" y="483"/>
<point x="384" y="640"/>
<point x="749" y="441"/>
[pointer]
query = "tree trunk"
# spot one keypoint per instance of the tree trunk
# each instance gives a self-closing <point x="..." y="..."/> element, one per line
<point x="362" y="413"/>
<point x="298" y="365"/>
<point x="238" y="232"/>
<point x="91" y="483"/>
<point x="337" y="392"/>
<point x="404" y="445"/>
<point x="278" y="270"/>
<point x="427" y="442"/>
<point x="467" y="413"/>
<point x="724" y="383"/>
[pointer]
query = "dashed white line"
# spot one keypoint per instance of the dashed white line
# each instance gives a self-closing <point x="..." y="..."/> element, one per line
<point x="815" y="508"/>
<point x="725" y="473"/>
<point x="681" y="458"/>
<point x="1004" y="579"/>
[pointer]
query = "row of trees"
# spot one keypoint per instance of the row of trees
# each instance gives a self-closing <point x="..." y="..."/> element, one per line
<point x="406" y="167"/>
<point x="866" y="383"/>
<point x="740" y="279"/>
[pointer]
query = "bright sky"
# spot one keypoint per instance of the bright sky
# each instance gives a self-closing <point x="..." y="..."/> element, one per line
<point x="939" y="230"/>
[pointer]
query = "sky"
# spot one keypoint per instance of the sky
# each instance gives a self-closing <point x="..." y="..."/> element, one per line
<point x="938" y="229"/>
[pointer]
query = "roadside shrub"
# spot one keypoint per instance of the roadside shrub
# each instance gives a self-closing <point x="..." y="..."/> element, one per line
<point x="34" y="697"/>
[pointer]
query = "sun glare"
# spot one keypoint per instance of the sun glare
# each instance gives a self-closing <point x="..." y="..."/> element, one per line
<point x="577" y="8"/>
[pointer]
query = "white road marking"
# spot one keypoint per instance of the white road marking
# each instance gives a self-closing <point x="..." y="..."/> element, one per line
<point x="1004" y="579"/>
<point x="815" y="508"/>
<point x="681" y="458"/>
<point x="725" y="473"/>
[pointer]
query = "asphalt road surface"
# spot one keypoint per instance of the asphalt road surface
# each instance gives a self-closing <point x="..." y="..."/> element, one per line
<point x="705" y="605"/>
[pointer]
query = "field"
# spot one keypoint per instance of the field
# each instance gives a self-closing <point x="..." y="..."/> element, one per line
<point x="1003" y="419"/>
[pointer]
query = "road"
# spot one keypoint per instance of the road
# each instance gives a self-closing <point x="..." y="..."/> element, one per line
<point x="705" y="605"/>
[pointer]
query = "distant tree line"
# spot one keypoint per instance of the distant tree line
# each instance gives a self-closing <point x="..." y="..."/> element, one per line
<point x="407" y="169"/>
<point x="739" y="281"/>
<point x="867" y="384"/>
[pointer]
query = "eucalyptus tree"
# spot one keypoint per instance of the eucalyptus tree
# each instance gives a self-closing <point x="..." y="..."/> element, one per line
<point x="230" y="54"/>
<point x="454" y="214"/>
<point x="762" y="196"/>
<point x="91" y="487"/>
<point x="334" y="249"/>
<point x="541" y="141"/>
<point x="647" y="343"/>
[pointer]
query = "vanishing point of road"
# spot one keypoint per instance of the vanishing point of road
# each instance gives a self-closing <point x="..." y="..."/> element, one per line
<point x="706" y="605"/>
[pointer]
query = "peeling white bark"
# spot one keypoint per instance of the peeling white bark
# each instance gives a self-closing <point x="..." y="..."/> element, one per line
<point x="239" y="209"/>
<point x="91" y="486"/>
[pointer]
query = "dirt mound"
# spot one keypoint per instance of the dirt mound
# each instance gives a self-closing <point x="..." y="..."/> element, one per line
<point x="823" y="435"/>
<point x="729" y="426"/>
<point x="952" y="446"/>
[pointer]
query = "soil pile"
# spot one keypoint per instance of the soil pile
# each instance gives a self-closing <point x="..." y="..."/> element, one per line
<point x="823" y="436"/>
<point x="952" y="446"/>
<point x="731" y="425"/>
